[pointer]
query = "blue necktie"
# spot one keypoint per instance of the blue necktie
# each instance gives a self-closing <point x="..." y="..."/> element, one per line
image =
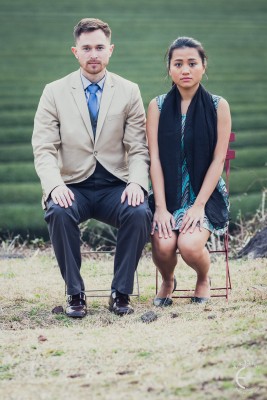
<point x="92" y="102"/>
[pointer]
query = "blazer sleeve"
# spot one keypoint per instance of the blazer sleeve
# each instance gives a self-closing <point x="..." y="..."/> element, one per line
<point x="46" y="142"/>
<point x="135" y="141"/>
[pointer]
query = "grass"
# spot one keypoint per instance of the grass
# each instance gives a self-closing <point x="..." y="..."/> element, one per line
<point x="38" y="51"/>
<point x="189" y="352"/>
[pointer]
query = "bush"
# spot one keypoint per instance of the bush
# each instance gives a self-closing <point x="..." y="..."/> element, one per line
<point x="15" y="134"/>
<point x="247" y="228"/>
<point x="15" y="152"/>
<point x="248" y="180"/>
<point x="250" y="138"/>
<point x="19" y="172"/>
<point x="27" y="193"/>
<point x="251" y="157"/>
<point x="98" y="235"/>
<point x="15" y="217"/>
<point x="244" y="205"/>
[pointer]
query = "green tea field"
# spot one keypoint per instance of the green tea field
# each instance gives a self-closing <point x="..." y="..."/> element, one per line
<point x="36" y="40"/>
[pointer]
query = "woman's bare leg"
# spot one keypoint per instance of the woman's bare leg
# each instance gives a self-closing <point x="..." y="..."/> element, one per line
<point x="195" y="254"/>
<point x="165" y="259"/>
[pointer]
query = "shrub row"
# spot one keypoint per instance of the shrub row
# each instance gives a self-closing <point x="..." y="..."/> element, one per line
<point x="21" y="216"/>
<point x="250" y="157"/>
<point x="16" y="153"/>
<point x="248" y="180"/>
<point x="17" y="217"/>
<point x="24" y="193"/>
<point x="24" y="118"/>
<point x="19" y="172"/>
<point x="15" y="134"/>
<point x="19" y="181"/>
<point x="251" y="138"/>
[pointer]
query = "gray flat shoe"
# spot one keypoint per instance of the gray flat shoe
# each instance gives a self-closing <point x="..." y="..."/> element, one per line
<point x="200" y="300"/>
<point x="164" y="301"/>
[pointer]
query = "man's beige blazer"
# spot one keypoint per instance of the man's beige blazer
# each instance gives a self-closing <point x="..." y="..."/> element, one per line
<point x="64" y="147"/>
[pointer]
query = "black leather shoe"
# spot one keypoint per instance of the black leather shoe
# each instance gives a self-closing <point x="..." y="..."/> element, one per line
<point x="164" y="301"/>
<point x="76" y="305"/>
<point x="119" y="304"/>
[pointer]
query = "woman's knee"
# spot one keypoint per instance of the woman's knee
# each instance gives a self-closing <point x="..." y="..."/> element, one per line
<point x="190" y="249"/>
<point x="163" y="248"/>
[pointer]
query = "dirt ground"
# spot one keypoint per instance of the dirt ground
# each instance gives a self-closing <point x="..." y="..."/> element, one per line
<point x="216" y="351"/>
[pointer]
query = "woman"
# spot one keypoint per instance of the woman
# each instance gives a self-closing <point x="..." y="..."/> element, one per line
<point x="188" y="133"/>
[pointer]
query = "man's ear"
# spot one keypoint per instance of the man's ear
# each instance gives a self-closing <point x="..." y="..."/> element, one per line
<point x="74" y="51"/>
<point x="111" y="49"/>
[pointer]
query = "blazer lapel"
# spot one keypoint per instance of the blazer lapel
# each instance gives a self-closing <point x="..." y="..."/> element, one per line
<point x="80" y="100"/>
<point x="106" y="99"/>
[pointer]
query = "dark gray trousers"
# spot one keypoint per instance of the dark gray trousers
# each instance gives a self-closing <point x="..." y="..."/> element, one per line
<point x="101" y="201"/>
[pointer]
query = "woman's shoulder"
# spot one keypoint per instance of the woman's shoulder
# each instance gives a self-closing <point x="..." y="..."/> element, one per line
<point x="219" y="100"/>
<point x="216" y="99"/>
<point x="160" y="100"/>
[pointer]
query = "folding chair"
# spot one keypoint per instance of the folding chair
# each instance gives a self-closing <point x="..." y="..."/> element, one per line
<point x="221" y="291"/>
<point x="106" y="292"/>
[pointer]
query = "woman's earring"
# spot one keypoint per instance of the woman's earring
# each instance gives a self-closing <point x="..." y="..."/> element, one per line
<point x="206" y="76"/>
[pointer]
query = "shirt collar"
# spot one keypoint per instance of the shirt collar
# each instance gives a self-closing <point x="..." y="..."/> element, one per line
<point x="87" y="83"/>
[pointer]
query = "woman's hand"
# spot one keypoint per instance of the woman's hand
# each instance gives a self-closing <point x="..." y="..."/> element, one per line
<point x="192" y="216"/>
<point x="164" y="221"/>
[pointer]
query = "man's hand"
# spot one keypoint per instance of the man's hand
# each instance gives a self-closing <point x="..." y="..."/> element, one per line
<point x="62" y="196"/>
<point x="134" y="193"/>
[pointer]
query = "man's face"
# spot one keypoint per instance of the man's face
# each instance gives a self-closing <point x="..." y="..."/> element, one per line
<point x="93" y="51"/>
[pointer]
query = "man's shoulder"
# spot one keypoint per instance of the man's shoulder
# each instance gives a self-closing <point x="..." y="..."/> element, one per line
<point x="67" y="79"/>
<point x="117" y="79"/>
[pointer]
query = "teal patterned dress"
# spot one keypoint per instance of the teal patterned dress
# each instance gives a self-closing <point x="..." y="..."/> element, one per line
<point x="188" y="196"/>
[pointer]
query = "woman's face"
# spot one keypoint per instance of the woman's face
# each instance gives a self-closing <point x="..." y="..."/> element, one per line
<point x="186" y="67"/>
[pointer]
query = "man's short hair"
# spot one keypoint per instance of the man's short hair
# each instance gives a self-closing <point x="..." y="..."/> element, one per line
<point x="90" y="25"/>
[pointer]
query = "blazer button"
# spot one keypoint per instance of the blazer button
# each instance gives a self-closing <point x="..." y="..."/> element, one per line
<point x="95" y="153"/>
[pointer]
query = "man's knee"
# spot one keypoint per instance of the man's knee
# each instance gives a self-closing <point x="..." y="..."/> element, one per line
<point x="60" y="214"/>
<point x="139" y="215"/>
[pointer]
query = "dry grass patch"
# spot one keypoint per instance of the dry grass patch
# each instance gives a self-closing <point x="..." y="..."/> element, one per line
<point x="217" y="351"/>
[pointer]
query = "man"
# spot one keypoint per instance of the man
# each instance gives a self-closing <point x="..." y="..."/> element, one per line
<point x="91" y="156"/>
